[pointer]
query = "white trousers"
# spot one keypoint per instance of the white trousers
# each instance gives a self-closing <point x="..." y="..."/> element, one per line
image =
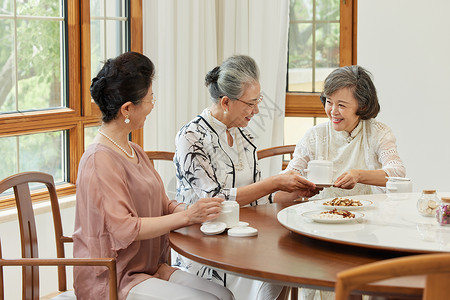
<point x="181" y="286"/>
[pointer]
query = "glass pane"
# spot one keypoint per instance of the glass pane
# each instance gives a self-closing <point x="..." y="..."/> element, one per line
<point x="8" y="152"/>
<point x="301" y="10"/>
<point x="97" y="46"/>
<point x="39" y="61"/>
<point x="49" y="8"/>
<point x="328" y="10"/>
<point x="327" y="52"/>
<point x="300" y="57"/>
<point x="296" y="127"/>
<point x="116" y="42"/>
<point x="7" y="67"/>
<point x="115" y="8"/>
<point x="89" y="135"/>
<point x="97" y="8"/>
<point x="20" y="154"/>
<point x="6" y="8"/>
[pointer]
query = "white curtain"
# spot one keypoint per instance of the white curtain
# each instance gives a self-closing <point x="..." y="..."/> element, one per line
<point x="187" y="38"/>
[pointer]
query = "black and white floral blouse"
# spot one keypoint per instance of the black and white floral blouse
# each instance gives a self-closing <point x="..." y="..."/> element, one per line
<point x="203" y="167"/>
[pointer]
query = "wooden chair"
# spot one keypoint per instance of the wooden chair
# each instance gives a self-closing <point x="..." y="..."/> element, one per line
<point x="30" y="261"/>
<point x="436" y="267"/>
<point x="159" y="155"/>
<point x="278" y="150"/>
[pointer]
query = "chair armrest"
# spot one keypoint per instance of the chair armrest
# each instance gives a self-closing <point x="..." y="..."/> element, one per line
<point x="110" y="263"/>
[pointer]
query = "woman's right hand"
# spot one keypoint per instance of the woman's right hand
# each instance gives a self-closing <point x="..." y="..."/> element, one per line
<point x="292" y="181"/>
<point x="205" y="209"/>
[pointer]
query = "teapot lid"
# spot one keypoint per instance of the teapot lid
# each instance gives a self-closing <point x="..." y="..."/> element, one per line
<point x="320" y="161"/>
<point x="398" y="179"/>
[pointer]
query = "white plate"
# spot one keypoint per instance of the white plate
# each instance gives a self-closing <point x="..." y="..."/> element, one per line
<point x="365" y="203"/>
<point x="314" y="216"/>
<point x="211" y="228"/>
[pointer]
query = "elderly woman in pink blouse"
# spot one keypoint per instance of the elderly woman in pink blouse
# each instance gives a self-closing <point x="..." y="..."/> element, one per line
<point x="122" y="210"/>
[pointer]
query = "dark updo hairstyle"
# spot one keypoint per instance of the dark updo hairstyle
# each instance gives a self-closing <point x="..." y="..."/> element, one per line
<point x="359" y="81"/>
<point x="125" y="78"/>
<point x="232" y="77"/>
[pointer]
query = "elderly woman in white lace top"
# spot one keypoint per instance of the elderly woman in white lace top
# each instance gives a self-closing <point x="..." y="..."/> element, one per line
<point x="363" y="150"/>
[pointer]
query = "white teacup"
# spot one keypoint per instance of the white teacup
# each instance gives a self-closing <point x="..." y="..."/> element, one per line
<point x="229" y="214"/>
<point x="320" y="171"/>
<point x="398" y="185"/>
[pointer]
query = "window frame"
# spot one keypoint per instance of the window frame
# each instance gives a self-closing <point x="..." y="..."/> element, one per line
<point x="81" y="112"/>
<point x="308" y="104"/>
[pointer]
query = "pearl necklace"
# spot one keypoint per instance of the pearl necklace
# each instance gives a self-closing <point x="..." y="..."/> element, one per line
<point x="240" y="164"/>
<point x="117" y="145"/>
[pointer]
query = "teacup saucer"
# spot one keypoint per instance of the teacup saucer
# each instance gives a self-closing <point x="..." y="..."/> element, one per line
<point x="243" y="231"/>
<point x="211" y="228"/>
<point x="323" y="185"/>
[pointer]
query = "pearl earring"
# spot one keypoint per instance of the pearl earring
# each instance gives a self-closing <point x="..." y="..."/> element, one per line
<point x="127" y="121"/>
<point x="226" y="111"/>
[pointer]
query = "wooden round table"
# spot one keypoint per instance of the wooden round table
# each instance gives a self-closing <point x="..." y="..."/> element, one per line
<point x="284" y="257"/>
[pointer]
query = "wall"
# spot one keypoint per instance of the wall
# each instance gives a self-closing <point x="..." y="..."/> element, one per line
<point x="406" y="46"/>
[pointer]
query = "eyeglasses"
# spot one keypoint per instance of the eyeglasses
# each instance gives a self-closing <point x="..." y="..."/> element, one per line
<point x="252" y="105"/>
<point x="153" y="99"/>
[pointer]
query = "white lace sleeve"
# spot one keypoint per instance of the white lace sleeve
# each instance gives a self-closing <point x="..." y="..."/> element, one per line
<point x="387" y="152"/>
<point x="302" y="153"/>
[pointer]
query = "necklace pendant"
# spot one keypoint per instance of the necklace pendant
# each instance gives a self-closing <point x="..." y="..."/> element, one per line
<point x="240" y="166"/>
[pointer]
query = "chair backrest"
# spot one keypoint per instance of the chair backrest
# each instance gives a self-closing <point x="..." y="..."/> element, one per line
<point x="436" y="267"/>
<point x="159" y="155"/>
<point x="20" y="184"/>
<point x="278" y="150"/>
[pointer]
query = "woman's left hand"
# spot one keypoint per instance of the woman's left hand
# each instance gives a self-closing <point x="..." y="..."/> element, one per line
<point x="347" y="180"/>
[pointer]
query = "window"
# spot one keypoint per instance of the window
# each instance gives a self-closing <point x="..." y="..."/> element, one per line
<point x="322" y="37"/>
<point x="46" y="115"/>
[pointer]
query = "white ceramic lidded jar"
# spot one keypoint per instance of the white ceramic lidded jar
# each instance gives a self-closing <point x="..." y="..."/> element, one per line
<point x="428" y="203"/>
<point x="229" y="214"/>
<point x="320" y="171"/>
<point x="398" y="185"/>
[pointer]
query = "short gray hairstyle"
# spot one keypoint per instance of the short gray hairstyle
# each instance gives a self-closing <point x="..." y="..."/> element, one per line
<point x="359" y="81"/>
<point x="232" y="77"/>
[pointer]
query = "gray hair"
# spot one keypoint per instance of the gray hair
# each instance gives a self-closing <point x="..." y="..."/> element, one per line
<point x="359" y="81"/>
<point x="232" y="77"/>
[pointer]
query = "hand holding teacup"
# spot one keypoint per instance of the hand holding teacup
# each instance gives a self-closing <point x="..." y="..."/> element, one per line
<point x="347" y="180"/>
<point x="300" y="185"/>
<point x="205" y="209"/>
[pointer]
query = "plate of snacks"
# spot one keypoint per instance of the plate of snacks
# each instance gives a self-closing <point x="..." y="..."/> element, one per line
<point x="344" y="203"/>
<point x="333" y="216"/>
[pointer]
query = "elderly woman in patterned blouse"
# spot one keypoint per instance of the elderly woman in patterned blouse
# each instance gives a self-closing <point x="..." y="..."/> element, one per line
<point x="363" y="150"/>
<point x="216" y="155"/>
